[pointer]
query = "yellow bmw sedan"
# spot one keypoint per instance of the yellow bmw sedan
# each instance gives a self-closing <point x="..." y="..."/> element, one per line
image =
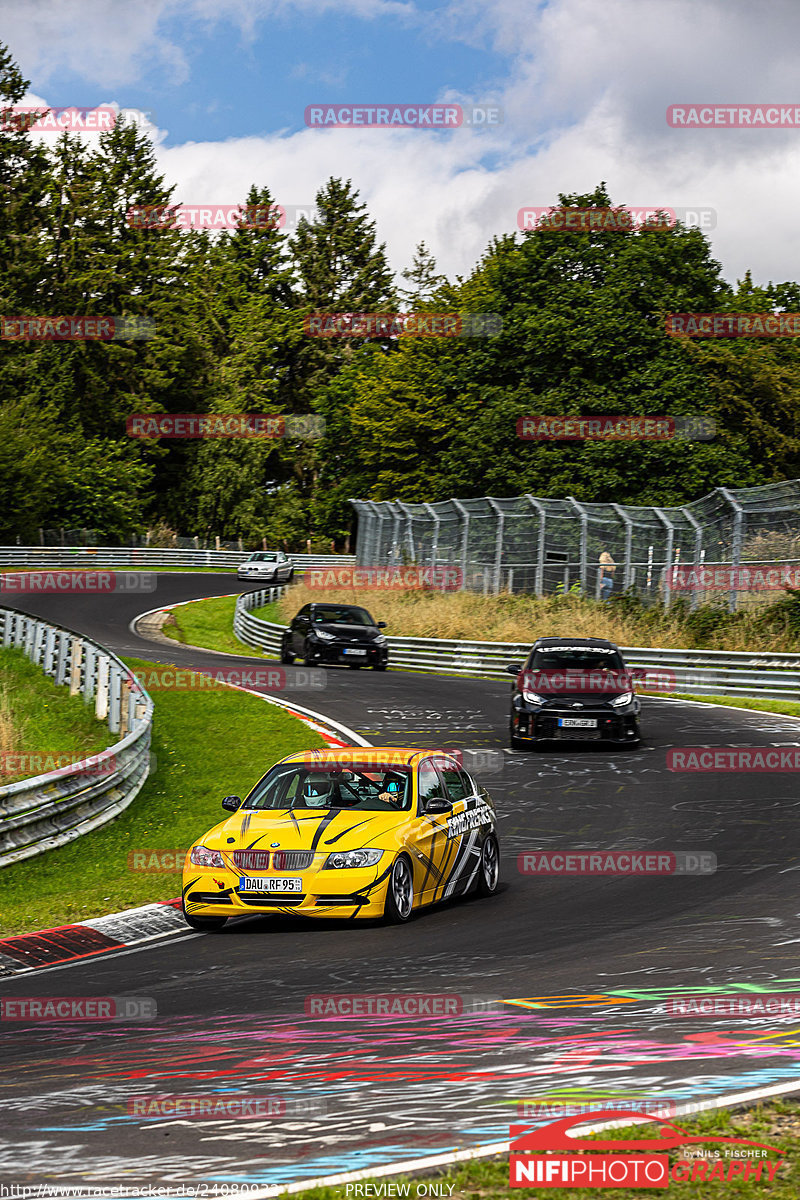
<point x="363" y="832"/>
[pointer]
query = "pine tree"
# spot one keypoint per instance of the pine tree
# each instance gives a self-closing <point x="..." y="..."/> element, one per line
<point x="424" y="282"/>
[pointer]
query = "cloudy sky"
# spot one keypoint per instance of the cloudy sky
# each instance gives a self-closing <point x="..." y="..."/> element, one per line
<point x="583" y="87"/>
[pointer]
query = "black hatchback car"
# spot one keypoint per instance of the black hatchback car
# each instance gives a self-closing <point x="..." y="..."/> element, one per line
<point x="336" y="633"/>
<point x="573" y="689"/>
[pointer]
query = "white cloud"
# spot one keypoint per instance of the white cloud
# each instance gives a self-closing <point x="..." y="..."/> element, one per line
<point x="585" y="100"/>
<point x="112" y="44"/>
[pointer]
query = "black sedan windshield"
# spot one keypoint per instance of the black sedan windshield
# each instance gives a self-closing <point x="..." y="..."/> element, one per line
<point x="336" y="614"/>
<point x="374" y="787"/>
<point x="556" y="658"/>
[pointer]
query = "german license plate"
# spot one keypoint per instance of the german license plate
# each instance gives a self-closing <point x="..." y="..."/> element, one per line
<point x="577" y="723"/>
<point x="349" y="650"/>
<point x="270" y="883"/>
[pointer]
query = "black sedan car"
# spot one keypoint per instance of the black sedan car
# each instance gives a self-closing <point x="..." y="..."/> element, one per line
<point x="336" y="633"/>
<point x="573" y="689"/>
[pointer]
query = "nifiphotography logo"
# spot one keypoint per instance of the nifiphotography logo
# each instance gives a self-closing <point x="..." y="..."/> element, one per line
<point x="532" y="1162"/>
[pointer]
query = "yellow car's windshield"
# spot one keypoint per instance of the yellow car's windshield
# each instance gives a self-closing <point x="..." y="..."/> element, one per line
<point x="374" y="787"/>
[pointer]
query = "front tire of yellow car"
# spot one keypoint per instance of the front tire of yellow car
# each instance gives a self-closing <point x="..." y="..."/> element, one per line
<point x="400" y="892"/>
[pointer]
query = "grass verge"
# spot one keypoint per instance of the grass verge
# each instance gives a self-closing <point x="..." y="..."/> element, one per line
<point x="777" y="1124"/>
<point x="207" y="744"/>
<point x="209" y="625"/>
<point x="784" y="708"/>
<point x="38" y="718"/>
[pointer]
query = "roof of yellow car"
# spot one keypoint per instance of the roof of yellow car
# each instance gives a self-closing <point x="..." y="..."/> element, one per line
<point x="396" y="755"/>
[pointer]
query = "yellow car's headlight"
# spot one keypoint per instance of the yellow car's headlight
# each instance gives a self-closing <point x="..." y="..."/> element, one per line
<point x="353" y="858"/>
<point x="201" y="856"/>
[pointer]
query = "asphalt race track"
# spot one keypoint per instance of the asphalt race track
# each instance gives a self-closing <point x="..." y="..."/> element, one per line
<point x="592" y="959"/>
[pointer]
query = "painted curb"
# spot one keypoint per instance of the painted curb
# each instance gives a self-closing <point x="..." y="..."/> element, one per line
<point x="96" y="935"/>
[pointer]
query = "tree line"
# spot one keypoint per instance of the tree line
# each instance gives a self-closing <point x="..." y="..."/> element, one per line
<point x="417" y="419"/>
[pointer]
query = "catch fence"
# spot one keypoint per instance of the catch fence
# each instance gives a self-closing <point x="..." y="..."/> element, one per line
<point x="735" y="545"/>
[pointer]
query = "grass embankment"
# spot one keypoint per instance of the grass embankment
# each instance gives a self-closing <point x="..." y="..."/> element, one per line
<point x="784" y="708"/>
<point x="195" y="767"/>
<point x="209" y="624"/>
<point x="624" y="619"/>
<point x="38" y="718"/>
<point x="776" y="1124"/>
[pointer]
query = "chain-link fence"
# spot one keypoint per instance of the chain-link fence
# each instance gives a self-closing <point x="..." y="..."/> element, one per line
<point x="735" y="545"/>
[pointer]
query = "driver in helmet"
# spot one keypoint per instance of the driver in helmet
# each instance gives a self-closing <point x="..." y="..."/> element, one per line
<point x="393" y="789"/>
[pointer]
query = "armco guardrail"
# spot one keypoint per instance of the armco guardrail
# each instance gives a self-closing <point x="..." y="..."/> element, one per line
<point x="45" y="811"/>
<point x="252" y="630"/>
<point x="695" y="672"/>
<point x="90" y="557"/>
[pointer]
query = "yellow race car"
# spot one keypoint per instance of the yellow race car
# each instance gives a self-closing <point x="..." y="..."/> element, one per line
<point x="367" y="832"/>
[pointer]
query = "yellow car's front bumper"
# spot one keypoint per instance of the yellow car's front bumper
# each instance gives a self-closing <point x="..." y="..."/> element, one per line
<point x="213" y="892"/>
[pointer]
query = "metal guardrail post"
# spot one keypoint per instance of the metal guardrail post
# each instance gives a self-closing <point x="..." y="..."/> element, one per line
<point x="694" y="599"/>
<point x="409" y="534"/>
<point x="737" y="539"/>
<point x="101" y="695"/>
<point x="584" y="542"/>
<point x="498" y="543"/>
<point x="459" y="507"/>
<point x="538" y="508"/>
<point x="435" y="544"/>
<point x="61" y="657"/>
<point x="376" y="530"/>
<point x="394" y="554"/>
<point x="670" y="528"/>
<point x="89" y="671"/>
<point x="75" y="665"/>
<point x="626" y="574"/>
